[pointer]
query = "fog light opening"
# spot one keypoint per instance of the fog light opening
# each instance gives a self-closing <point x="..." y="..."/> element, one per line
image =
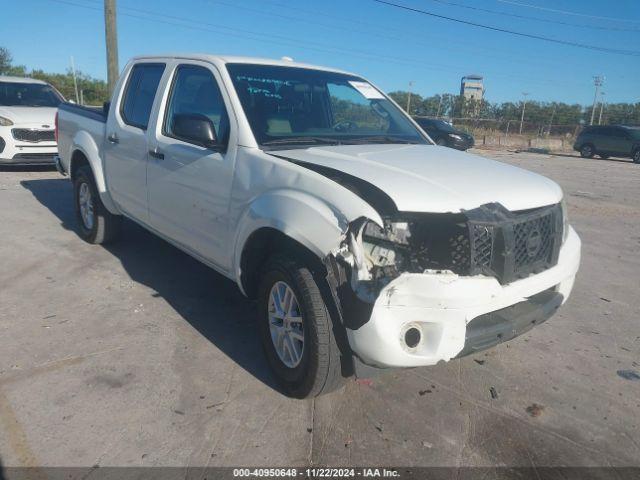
<point x="412" y="337"/>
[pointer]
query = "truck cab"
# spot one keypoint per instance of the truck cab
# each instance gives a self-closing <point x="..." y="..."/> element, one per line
<point x="365" y="245"/>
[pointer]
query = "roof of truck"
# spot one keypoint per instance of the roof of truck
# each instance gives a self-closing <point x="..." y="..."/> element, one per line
<point x="284" y="62"/>
<point x="6" y="78"/>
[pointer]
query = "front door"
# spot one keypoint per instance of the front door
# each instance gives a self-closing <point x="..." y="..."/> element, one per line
<point x="189" y="183"/>
<point x="126" y="147"/>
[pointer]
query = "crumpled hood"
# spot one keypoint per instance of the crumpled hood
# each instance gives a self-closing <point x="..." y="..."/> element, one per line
<point x="428" y="178"/>
<point x="32" y="115"/>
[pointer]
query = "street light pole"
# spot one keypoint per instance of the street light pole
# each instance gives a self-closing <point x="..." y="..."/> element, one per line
<point x="601" y="108"/>
<point x="598" y="80"/>
<point x="409" y="99"/>
<point x="524" y="104"/>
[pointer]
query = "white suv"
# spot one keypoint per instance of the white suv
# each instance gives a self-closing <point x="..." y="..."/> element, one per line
<point x="27" y="111"/>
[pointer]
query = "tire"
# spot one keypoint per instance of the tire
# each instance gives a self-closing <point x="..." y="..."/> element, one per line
<point x="636" y="156"/>
<point x="587" y="151"/>
<point x="104" y="227"/>
<point x="318" y="367"/>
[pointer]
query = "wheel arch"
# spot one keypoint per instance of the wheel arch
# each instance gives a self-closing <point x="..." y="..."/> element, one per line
<point x="86" y="152"/>
<point x="284" y="220"/>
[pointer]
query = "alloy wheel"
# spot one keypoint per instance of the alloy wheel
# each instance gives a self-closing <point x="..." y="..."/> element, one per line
<point x="85" y="201"/>
<point x="286" y="324"/>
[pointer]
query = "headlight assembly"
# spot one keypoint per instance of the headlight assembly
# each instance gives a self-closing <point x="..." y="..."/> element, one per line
<point x="383" y="247"/>
<point x="457" y="137"/>
<point x="5" y="122"/>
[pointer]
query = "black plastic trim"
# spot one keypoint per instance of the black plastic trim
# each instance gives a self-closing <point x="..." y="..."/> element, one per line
<point x="492" y="328"/>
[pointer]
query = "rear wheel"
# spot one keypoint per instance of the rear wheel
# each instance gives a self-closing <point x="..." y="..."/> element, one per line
<point x="587" y="151"/>
<point x="96" y="223"/>
<point x="296" y="329"/>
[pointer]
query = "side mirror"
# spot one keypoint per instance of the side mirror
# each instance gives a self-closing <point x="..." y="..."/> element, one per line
<point x="195" y="128"/>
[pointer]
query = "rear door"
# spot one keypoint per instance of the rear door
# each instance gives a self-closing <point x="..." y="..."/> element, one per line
<point x="605" y="140"/>
<point x="190" y="184"/>
<point x="621" y="141"/>
<point x="126" y="147"/>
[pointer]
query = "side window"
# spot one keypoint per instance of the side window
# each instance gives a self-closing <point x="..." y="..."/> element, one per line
<point x="195" y="92"/>
<point x="140" y="92"/>
<point x="619" y="132"/>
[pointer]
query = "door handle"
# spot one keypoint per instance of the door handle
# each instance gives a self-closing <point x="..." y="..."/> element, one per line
<point x="156" y="153"/>
<point x="113" y="138"/>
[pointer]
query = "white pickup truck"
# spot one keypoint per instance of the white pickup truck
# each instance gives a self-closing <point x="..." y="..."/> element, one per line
<point x="365" y="244"/>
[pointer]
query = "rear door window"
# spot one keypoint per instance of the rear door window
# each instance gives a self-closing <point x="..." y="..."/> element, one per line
<point x="140" y="92"/>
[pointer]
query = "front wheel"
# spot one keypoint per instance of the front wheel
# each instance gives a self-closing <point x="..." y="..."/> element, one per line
<point x="636" y="156"/>
<point x="296" y="330"/>
<point x="587" y="151"/>
<point x="96" y="223"/>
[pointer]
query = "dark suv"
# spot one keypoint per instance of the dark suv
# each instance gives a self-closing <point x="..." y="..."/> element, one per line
<point x="609" y="141"/>
<point x="444" y="133"/>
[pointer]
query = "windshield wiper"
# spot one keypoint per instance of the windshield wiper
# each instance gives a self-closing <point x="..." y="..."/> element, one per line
<point x="302" y="140"/>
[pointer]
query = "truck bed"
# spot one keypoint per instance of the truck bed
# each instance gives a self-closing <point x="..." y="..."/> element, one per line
<point x="94" y="113"/>
<point x="77" y="123"/>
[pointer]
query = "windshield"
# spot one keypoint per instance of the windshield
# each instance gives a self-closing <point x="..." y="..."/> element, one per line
<point x="15" y="94"/>
<point x="289" y="106"/>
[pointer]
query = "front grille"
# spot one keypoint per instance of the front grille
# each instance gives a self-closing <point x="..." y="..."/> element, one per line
<point x="538" y="230"/>
<point x="482" y="244"/>
<point x="513" y="245"/>
<point x="33" y="136"/>
<point x="488" y="240"/>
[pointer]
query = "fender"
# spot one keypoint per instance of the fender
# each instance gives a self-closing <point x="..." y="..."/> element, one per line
<point x="83" y="142"/>
<point x="302" y="217"/>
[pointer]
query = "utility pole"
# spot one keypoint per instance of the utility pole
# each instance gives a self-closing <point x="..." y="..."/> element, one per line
<point x="598" y="80"/>
<point x="409" y="99"/>
<point x="439" y="106"/>
<point x="524" y="104"/>
<point x="601" y="108"/>
<point x="111" y="37"/>
<point x="75" y="81"/>
<point x="553" y="113"/>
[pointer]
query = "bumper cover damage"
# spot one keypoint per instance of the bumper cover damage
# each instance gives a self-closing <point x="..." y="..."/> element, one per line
<point x="397" y="318"/>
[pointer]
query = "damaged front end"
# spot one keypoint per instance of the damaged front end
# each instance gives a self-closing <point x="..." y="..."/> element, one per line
<point x="488" y="240"/>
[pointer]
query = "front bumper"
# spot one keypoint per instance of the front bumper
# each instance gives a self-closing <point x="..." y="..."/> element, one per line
<point x="462" y="144"/>
<point x="458" y="315"/>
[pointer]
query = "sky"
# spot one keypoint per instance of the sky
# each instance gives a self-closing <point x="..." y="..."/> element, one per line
<point x="388" y="45"/>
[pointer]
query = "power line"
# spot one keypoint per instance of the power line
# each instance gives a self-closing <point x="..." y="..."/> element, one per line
<point x="567" y="12"/>
<point x="537" y="19"/>
<point x="511" y="32"/>
<point x="409" y="36"/>
<point x="282" y="40"/>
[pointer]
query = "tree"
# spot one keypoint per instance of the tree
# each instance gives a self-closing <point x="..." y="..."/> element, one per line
<point x="5" y="60"/>
<point x="94" y="90"/>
